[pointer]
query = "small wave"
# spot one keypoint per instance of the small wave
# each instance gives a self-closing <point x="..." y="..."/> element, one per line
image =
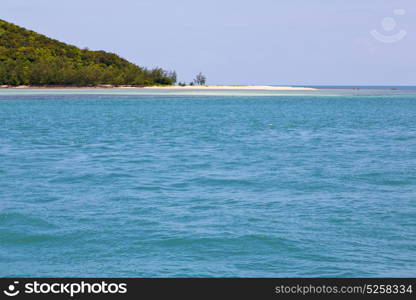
<point x="147" y="188"/>
<point x="19" y="237"/>
<point x="246" y="242"/>
<point x="19" y="219"/>
<point x="221" y="181"/>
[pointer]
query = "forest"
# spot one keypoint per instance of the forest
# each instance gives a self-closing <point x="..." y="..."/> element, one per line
<point x="29" y="58"/>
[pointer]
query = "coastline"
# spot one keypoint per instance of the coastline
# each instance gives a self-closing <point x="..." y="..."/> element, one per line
<point x="171" y="87"/>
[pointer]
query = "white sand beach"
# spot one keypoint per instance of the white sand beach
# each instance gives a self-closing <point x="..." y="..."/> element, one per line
<point x="233" y="87"/>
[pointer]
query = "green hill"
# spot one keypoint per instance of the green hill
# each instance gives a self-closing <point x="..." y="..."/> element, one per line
<point x="29" y="58"/>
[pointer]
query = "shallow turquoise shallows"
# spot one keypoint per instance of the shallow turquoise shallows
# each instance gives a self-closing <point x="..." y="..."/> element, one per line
<point x="223" y="184"/>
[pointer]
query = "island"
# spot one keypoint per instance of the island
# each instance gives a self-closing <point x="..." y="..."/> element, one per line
<point x="29" y="60"/>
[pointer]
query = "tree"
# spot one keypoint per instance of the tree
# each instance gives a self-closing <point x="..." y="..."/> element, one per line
<point x="172" y="75"/>
<point x="200" y="79"/>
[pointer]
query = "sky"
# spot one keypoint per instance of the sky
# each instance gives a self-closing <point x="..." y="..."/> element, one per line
<point x="273" y="42"/>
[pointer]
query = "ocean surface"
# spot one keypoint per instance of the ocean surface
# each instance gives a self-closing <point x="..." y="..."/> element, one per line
<point x="124" y="183"/>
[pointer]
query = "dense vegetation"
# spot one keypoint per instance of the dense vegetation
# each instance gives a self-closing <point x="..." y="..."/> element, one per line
<point x="29" y="58"/>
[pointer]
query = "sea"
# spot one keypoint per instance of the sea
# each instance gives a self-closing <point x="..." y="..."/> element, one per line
<point x="241" y="183"/>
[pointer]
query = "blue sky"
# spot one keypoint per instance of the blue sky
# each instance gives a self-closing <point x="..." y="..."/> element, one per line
<point x="295" y="42"/>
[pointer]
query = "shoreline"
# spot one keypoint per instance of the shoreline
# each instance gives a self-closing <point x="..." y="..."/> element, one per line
<point x="234" y="87"/>
<point x="172" y="87"/>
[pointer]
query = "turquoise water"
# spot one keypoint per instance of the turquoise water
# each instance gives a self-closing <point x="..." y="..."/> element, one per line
<point x="184" y="185"/>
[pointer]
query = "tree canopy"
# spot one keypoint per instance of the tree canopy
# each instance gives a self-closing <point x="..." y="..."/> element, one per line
<point x="29" y="58"/>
